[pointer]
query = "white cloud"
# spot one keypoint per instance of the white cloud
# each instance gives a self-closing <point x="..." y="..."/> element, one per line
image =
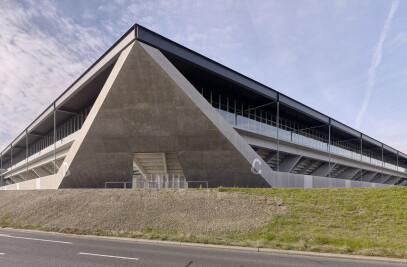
<point x="41" y="53"/>
<point x="376" y="59"/>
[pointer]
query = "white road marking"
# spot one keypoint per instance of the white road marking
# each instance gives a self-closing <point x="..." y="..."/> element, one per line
<point x="108" y="256"/>
<point x="2" y="253"/>
<point x="35" y="239"/>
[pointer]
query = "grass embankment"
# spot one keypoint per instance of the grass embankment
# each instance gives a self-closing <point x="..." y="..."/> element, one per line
<point x="364" y="221"/>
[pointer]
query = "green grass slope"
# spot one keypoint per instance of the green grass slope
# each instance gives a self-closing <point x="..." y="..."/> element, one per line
<point x="366" y="221"/>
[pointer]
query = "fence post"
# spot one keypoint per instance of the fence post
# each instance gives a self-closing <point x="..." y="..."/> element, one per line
<point x="173" y="185"/>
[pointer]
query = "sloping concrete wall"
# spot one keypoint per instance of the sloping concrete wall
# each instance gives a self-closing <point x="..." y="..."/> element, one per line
<point x="147" y="106"/>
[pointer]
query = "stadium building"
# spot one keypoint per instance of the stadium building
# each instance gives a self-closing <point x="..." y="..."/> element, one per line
<point x="152" y="111"/>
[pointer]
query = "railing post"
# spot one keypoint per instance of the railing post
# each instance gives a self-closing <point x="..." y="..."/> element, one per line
<point x="329" y="148"/>
<point x="248" y="117"/>
<point x="397" y="164"/>
<point x="1" y="168"/>
<point x="227" y="107"/>
<point x="220" y="100"/>
<point x="278" y="138"/>
<point x="235" y="113"/>
<point x="11" y="158"/>
<point x="211" y="99"/>
<point x="255" y="121"/>
<point x="382" y="161"/>
<point x="55" y="139"/>
<point x="26" y="154"/>
<point x="361" y="157"/>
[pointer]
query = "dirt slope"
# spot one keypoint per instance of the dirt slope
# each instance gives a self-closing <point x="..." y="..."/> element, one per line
<point x="184" y="211"/>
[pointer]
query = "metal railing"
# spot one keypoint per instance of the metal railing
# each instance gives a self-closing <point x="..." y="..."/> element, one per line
<point x="303" y="139"/>
<point x="175" y="184"/>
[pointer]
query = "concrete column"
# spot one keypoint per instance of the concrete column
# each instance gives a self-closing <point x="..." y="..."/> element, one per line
<point x="324" y="169"/>
<point x="289" y="163"/>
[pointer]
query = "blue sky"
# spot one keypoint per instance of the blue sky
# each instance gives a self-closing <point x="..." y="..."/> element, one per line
<point x="346" y="59"/>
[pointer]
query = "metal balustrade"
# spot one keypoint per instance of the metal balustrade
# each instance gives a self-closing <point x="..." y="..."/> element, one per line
<point x="257" y="120"/>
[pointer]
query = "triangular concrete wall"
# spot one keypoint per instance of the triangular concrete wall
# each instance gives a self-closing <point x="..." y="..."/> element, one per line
<point x="146" y="105"/>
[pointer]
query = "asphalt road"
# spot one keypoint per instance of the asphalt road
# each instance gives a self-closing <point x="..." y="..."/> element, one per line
<point x="46" y="249"/>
